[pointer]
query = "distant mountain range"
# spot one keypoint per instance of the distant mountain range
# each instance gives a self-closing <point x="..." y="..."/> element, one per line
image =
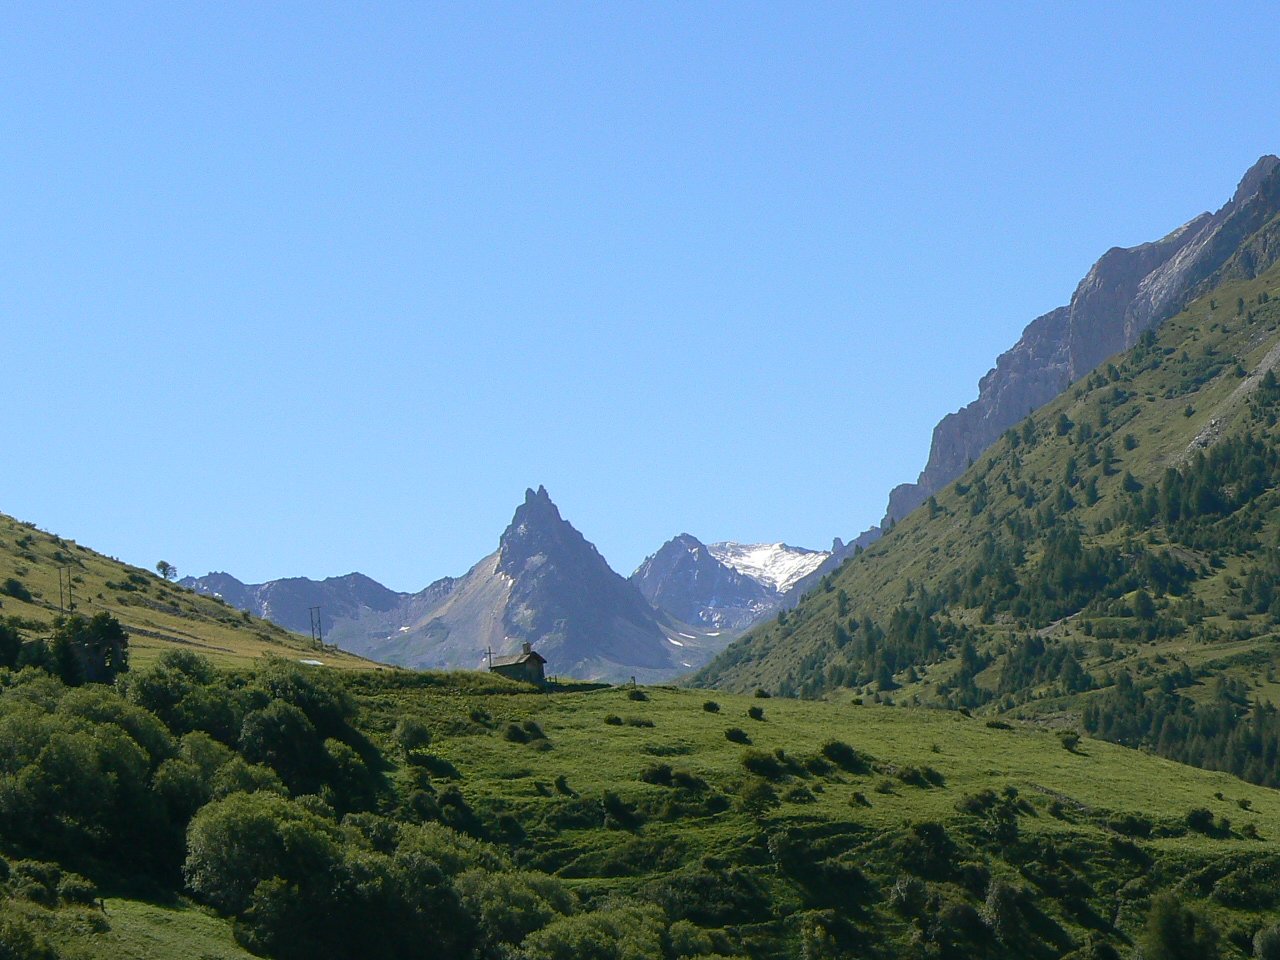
<point x="548" y="586"/>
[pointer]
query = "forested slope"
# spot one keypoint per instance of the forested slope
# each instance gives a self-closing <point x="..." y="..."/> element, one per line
<point x="1114" y="559"/>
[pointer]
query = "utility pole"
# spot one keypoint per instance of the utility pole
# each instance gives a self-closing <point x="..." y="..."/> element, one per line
<point x="65" y="597"/>
<point x="317" y="629"/>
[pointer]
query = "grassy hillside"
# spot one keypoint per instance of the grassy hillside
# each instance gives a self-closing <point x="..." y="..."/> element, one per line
<point x="619" y="823"/>
<point x="1128" y="529"/>
<point x="157" y="614"/>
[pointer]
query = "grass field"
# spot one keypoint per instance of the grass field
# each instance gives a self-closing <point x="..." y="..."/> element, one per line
<point x="144" y="931"/>
<point x="893" y="846"/>
<point x="1072" y="799"/>
<point x="971" y="756"/>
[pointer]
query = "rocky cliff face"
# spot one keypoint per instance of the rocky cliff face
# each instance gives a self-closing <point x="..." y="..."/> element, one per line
<point x="1127" y="291"/>
<point x="686" y="581"/>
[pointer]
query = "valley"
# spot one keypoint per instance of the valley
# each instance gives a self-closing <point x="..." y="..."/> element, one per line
<point x="1033" y="716"/>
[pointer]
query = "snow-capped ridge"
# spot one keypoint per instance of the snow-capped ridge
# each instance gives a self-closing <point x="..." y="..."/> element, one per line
<point x="776" y="565"/>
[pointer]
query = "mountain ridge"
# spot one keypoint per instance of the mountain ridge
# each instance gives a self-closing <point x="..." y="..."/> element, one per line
<point x="1127" y="291"/>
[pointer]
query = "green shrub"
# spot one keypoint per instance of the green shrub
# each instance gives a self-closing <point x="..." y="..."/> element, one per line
<point x="618" y="813"/>
<point x="17" y="589"/>
<point x="1200" y="820"/>
<point x="36" y="881"/>
<point x="909" y="895"/>
<point x="736" y="735"/>
<point x="612" y="933"/>
<point x="637" y="694"/>
<point x="764" y="765"/>
<point x="845" y="757"/>
<point x="976" y="804"/>
<point x="10" y="643"/>
<point x="73" y="888"/>
<point x="923" y="777"/>
<point x="411" y="733"/>
<point x="511" y="906"/>
<point x="282" y="737"/>
<point x="755" y="713"/>
<point x="688" y="781"/>
<point x="657" y="773"/>
<point x="685" y="939"/>
<point x="20" y="940"/>
<point x="613" y="720"/>
<point x="1266" y="943"/>
<point x="757" y="796"/>
<point x="818" y="766"/>
<point x="434" y="765"/>
<point x="1131" y="825"/>
<point x="711" y="706"/>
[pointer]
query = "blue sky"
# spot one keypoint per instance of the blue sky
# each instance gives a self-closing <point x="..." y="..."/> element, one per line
<point x="299" y="289"/>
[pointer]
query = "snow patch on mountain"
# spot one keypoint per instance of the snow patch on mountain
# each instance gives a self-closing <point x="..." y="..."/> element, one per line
<point x="776" y="565"/>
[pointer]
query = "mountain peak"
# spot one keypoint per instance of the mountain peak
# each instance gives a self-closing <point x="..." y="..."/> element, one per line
<point x="537" y="529"/>
<point x="1126" y="292"/>
<point x="686" y="581"/>
<point x="536" y="513"/>
<point x="1253" y="178"/>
